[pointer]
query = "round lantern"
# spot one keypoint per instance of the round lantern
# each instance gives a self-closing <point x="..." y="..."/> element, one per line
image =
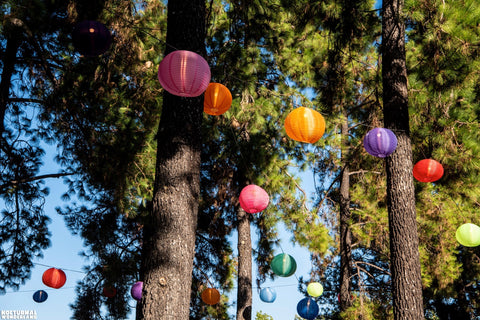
<point x="380" y="142"/>
<point x="305" y="125"/>
<point x="218" y="99"/>
<point x="315" y="289"/>
<point x="184" y="73"/>
<point x="427" y="170"/>
<point x="109" y="291"/>
<point x="136" y="290"/>
<point x="268" y="295"/>
<point x="253" y="199"/>
<point x="54" y="278"/>
<point x="468" y="235"/>
<point x="307" y="308"/>
<point x="283" y="265"/>
<point x="40" y="296"/>
<point x="211" y="296"/>
<point x="91" y="38"/>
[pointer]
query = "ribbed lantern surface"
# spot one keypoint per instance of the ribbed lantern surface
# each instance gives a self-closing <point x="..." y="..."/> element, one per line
<point x="427" y="170"/>
<point x="54" y="278"/>
<point x="283" y="265"/>
<point x="218" y="99"/>
<point x="211" y="296"/>
<point x="184" y="73"/>
<point x="307" y="308"/>
<point x="305" y="125"/>
<point x="253" y="199"/>
<point x="136" y="290"/>
<point x="380" y="142"/>
<point x="268" y="295"/>
<point x="40" y="296"/>
<point x="468" y="235"/>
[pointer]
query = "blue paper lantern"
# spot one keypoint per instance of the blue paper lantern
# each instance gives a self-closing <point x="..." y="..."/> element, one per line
<point x="40" y="296"/>
<point x="380" y="142"/>
<point x="268" y="295"/>
<point x="307" y="308"/>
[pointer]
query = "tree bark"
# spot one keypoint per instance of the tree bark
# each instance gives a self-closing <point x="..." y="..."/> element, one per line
<point x="9" y="61"/>
<point x="169" y="232"/>
<point x="244" y="290"/>
<point x="405" y="261"/>
<point x="345" y="232"/>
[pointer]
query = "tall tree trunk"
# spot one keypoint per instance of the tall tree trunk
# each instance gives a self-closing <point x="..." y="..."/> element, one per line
<point x="244" y="291"/>
<point x="345" y="232"/>
<point x="405" y="261"/>
<point x="169" y="235"/>
<point x="8" y="61"/>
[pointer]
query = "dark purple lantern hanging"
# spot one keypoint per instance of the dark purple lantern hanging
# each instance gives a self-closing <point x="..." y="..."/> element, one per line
<point x="91" y="38"/>
<point x="307" y="308"/>
<point x="380" y="142"/>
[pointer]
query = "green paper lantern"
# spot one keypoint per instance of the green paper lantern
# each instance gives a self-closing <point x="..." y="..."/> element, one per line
<point x="283" y="265"/>
<point x="315" y="289"/>
<point x="468" y="235"/>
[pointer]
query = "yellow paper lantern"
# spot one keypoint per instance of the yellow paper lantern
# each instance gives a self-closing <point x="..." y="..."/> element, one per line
<point x="468" y="235"/>
<point x="305" y="125"/>
<point x="315" y="289"/>
<point x="217" y="100"/>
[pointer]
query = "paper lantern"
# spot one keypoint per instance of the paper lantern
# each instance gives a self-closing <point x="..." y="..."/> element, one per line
<point x="307" y="308"/>
<point x="91" y="38"/>
<point x="427" y="170"/>
<point x="109" y="291"/>
<point x="468" y="235"/>
<point x="253" y="199"/>
<point x="380" y="142"/>
<point x="283" y="265"/>
<point x="268" y="295"/>
<point x="40" y="296"/>
<point x="211" y="296"/>
<point x="218" y="99"/>
<point x="136" y="290"/>
<point x="54" y="278"/>
<point x="184" y="73"/>
<point x="305" y="125"/>
<point x="315" y="289"/>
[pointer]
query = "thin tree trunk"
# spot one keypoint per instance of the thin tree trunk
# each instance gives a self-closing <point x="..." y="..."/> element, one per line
<point x="405" y="261"/>
<point x="169" y="233"/>
<point x="345" y="232"/>
<point x="244" y="291"/>
<point x="8" y="61"/>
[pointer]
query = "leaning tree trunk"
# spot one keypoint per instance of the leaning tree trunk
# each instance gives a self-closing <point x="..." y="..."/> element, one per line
<point x="169" y="233"/>
<point x="405" y="261"/>
<point x="345" y="232"/>
<point x="244" y="287"/>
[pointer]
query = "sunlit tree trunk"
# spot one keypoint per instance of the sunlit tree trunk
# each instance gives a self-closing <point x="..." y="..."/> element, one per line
<point x="405" y="261"/>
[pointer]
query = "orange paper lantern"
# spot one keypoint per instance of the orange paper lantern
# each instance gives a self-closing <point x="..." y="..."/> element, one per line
<point x="218" y="99"/>
<point x="427" y="170"/>
<point x="211" y="296"/>
<point x="305" y="125"/>
<point x="54" y="278"/>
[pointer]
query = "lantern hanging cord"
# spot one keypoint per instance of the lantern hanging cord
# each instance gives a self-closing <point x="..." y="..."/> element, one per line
<point x="71" y="270"/>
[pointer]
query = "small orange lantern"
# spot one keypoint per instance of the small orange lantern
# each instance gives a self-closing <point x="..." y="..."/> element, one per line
<point x="218" y="99"/>
<point x="305" y="125"/>
<point x="211" y="296"/>
<point x="427" y="170"/>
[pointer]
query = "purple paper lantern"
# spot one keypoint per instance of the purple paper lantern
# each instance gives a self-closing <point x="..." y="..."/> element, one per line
<point x="136" y="290"/>
<point x="380" y="142"/>
<point x="91" y="38"/>
<point x="307" y="308"/>
<point x="184" y="73"/>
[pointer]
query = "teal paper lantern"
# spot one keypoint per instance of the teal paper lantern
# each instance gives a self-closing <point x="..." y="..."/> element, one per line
<point x="283" y="265"/>
<point x="468" y="235"/>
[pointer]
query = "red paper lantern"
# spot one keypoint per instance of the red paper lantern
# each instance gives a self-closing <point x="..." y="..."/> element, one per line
<point x="184" y="73"/>
<point x="211" y="296"/>
<point x="253" y="199"/>
<point x="305" y="125"/>
<point x="427" y="170"/>
<point x="218" y="99"/>
<point x="54" y="278"/>
<point x="109" y="291"/>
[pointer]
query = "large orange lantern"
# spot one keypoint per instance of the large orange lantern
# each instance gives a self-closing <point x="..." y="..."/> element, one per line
<point x="305" y="125"/>
<point x="427" y="170"/>
<point x="54" y="278"/>
<point x="211" y="296"/>
<point x="218" y="99"/>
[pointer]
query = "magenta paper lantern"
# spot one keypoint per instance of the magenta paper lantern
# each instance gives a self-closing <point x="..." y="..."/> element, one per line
<point x="253" y="199"/>
<point x="380" y="142"/>
<point x="136" y="290"/>
<point x="184" y="73"/>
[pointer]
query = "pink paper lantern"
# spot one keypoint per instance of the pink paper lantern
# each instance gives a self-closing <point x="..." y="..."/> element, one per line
<point x="184" y="73"/>
<point x="253" y="199"/>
